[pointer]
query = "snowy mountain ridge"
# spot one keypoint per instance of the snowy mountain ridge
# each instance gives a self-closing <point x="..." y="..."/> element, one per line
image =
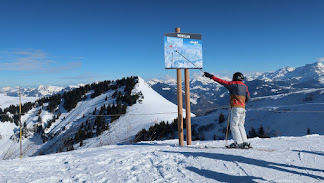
<point x="314" y="71"/>
<point x="40" y="91"/>
<point x="10" y="95"/>
<point x="170" y="81"/>
<point x="287" y="107"/>
<point x="206" y="93"/>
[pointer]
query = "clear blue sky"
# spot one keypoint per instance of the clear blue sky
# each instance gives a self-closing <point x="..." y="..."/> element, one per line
<point x="67" y="42"/>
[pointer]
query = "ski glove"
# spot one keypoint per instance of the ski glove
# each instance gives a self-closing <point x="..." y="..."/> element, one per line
<point x="206" y="74"/>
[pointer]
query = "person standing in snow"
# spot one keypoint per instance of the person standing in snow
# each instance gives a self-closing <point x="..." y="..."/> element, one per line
<point x="239" y="95"/>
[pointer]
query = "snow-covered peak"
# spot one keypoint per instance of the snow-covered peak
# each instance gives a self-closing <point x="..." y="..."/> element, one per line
<point x="290" y="69"/>
<point x="282" y="72"/>
<point x="154" y="81"/>
<point x="169" y="81"/>
<point x="46" y="90"/>
<point x="278" y="74"/>
<point x="307" y="72"/>
<point x="150" y="109"/>
<point x="203" y="80"/>
<point x="319" y="68"/>
<point x="314" y="71"/>
<point x="253" y="76"/>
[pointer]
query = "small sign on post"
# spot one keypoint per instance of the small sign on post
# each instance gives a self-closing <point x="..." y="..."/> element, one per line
<point x="183" y="51"/>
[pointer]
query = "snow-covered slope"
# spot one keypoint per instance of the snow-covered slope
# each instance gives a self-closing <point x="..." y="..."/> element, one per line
<point x="7" y="144"/>
<point x="283" y="159"/>
<point x="151" y="108"/>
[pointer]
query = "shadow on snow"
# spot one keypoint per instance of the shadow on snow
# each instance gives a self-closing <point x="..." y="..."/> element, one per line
<point x="321" y="153"/>
<point x="223" y="177"/>
<point x="234" y="158"/>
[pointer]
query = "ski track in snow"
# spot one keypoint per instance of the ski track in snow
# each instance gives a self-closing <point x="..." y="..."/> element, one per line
<point x="165" y="161"/>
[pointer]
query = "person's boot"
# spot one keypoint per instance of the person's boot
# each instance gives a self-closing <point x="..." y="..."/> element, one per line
<point x="245" y="145"/>
<point x="233" y="145"/>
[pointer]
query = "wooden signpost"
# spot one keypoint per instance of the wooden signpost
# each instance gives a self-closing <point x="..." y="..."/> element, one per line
<point x="188" y="117"/>
<point x="177" y="45"/>
<point x="20" y="125"/>
<point x="180" y="115"/>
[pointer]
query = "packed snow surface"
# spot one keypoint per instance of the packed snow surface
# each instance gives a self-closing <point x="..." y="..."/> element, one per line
<point x="281" y="159"/>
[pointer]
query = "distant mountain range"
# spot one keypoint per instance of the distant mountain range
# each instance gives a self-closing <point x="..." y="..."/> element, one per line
<point x="310" y="72"/>
<point x="286" y="102"/>
<point x="40" y="91"/>
<point x="207" y="94"/>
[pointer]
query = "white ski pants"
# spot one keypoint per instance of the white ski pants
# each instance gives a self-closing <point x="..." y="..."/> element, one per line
<point x="237" y="125"/>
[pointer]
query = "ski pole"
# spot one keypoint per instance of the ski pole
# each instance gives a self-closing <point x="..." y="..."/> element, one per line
<point x="229" y="112"/>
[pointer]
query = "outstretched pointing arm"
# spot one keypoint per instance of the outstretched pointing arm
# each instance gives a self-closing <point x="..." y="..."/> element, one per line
<point x="218" y="80"/>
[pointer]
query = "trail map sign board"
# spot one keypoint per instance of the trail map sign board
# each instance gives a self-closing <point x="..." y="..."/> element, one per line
<point x="183" y="51"/>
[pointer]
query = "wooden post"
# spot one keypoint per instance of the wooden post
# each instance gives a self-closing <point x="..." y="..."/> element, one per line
<point x="177" y="30"/>
<point x="188" y="117"/>
<point x="179" y="93"/>
<point x="20" y="124"/>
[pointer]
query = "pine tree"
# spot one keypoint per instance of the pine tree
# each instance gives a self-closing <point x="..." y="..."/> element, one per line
<point x="124" y="109"/>
<point x="98" y="131"/>
<point x="308" y="131"/>
<point x="108" y="109"/>
<point x="221" y="118"/>
<point x="81" y="143"/>
<point x="89" y="133"/>
<point x="119" y="108"/>
<point x="39" y="119"/>
<point x="77" y="137"/>
<point x="262" y="133"/>
<point x="252" y="133"/>
<point x="98" y="122"/>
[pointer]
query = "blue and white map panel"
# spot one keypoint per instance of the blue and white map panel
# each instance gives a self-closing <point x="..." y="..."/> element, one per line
<point x="183" y="51"/>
